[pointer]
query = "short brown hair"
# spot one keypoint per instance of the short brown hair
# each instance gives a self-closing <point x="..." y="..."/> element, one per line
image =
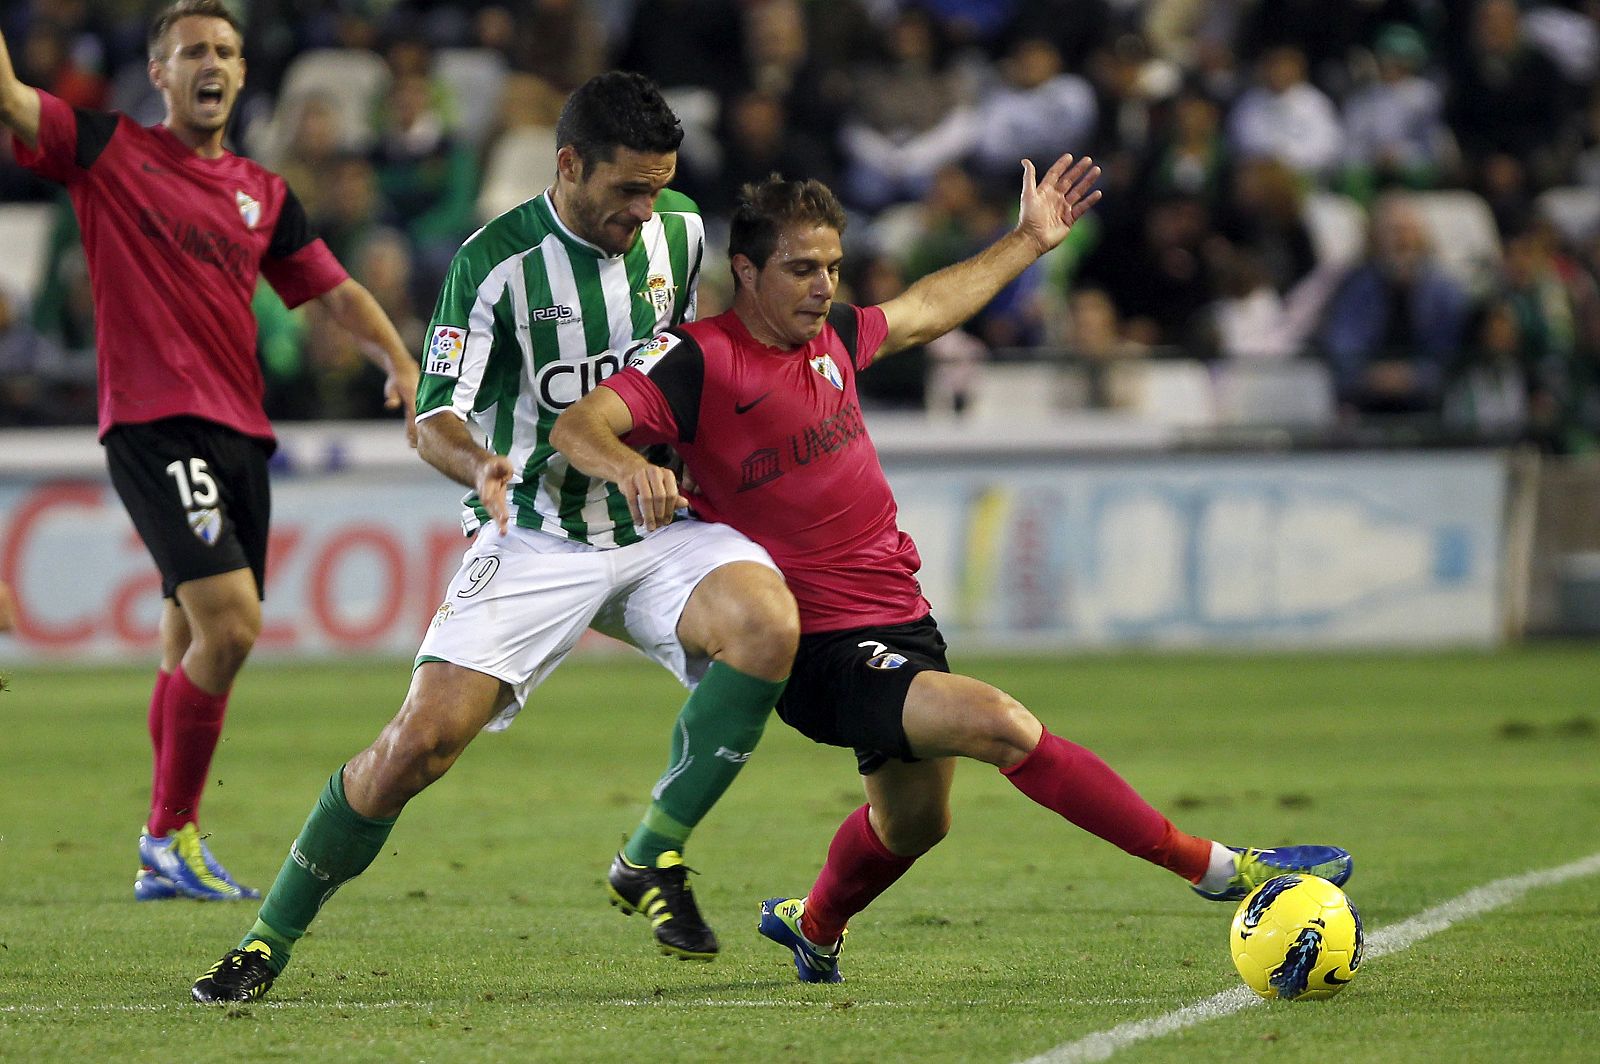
<point x="184" y="9"/>
<point x="767" y="207"/>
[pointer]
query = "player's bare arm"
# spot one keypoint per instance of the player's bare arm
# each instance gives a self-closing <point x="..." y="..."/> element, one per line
<point x="589" y="433"/>
<point x="445" y="442"/>
<point x="19" y="103"/>
<point x="351" y="305"/>
<point x="941" y="301"/>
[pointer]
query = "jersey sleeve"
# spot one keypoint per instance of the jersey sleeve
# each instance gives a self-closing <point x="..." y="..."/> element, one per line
<point x="872" y="329"/>
<point x="661" y="383"/>
<point x="298" y="265"/>
<point x="70" y="139"/>
<point x="459" y="340"/>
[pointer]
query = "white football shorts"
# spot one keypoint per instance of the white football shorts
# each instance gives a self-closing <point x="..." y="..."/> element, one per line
<point x="521" y="601"/>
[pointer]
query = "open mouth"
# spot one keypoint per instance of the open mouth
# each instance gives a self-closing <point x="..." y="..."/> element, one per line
<point x="209" y="93"/>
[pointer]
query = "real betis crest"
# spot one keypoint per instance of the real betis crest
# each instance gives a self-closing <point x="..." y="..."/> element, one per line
<point x="823" y="364"/>
<point x="658" y="290"/>
<point x="249" y="209"/>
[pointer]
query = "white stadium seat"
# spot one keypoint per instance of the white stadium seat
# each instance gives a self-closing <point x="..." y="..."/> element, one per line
<point x="25" y="235"/>
<point x="476" y="78"/>
<point x="1465" y="240"/>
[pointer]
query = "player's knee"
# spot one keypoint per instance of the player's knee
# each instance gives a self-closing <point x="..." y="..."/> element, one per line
<point x="228" y="641"/>
<point x="913" y="833"/>
<point x="760" y="630"/>
<point x="1003" y="731"/>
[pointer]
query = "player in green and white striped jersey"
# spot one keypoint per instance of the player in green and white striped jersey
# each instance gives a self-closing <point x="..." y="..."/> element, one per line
<point x="531" y="317"/>
<point x="540" y="305"/>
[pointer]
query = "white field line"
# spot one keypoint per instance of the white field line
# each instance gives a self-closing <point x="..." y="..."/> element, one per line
<point x="1502" y="892"/>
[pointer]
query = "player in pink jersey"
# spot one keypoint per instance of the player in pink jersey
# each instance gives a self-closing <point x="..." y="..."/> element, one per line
<point x="176" y="230"/>
<point x="761" y="402"/>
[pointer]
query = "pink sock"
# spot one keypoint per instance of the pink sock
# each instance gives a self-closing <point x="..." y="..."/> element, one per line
<point x="1074" y="782"/>
<point x="190" y="729"/>
<point x="858" y="869"/>
<point x="158" y="710"/>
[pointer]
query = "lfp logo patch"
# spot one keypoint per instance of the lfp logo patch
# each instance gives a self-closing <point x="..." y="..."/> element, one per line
<point x="445" y="347"/>
<point x="823" y="364"/>
<point x="644" y="357"/>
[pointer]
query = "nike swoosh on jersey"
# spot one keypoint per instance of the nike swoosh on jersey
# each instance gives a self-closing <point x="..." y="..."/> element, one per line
<point x="744" y="408"/>
<point x="152" y="169"/>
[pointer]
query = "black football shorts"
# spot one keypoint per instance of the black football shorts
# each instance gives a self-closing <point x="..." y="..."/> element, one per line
<point x="198" y="495"/>
<point x="848" y="688"/>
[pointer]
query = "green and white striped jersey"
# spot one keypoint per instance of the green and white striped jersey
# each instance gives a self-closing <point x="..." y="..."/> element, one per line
<point x="530" y="319"/>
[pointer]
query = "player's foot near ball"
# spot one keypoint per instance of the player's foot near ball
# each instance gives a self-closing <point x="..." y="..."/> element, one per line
<point x="241" y="975"/>
<point x="1252" y="867"/>
<point x="662" y="894"/>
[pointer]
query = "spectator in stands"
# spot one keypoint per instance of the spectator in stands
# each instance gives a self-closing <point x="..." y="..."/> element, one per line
<point x="312" y="151"/>
<point x="899" y="383"/>
<point x="352" y="206"/>
<point x="1033" y="109"/>
<point x="45" y="59"/>
<point x="1488" y="395"/>
<point x="1394" y="327"/>
<point x="23" y="355"/>
<point x="1265" y="215"/>
<point x="1188" y="156"/>
<point x="1287" y="118"/>
<point x="1507" y="99"/>
<point x="1156" y="272"/>
<point x="1395" y="129"/>
<point x="559" y="41"/>
<point x="903" y="95"/>
<point x="759" y="142"/>
<point x="427" y="178"/>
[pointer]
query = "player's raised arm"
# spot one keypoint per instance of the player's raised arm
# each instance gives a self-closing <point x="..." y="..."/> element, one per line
<point x="941" y="301"/>
<point x="352" y="306"/>
<point x="19" y="103"/>
<point x="589" y="433"/>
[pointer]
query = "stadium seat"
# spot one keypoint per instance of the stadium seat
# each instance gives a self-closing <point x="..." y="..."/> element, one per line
<point x="1021" y="392"/>
<point x="25" y="234"/>
<point x="1338" y="228"/>
<point x="1465" y="239"/>
<point x="1574" y="211"/>
<point x="476" y="78"/>
<point x="353" y="78"/>
<point x="1297" y="393"/>
<point x="521" y="164"/>
<point x="1176" y="392"/>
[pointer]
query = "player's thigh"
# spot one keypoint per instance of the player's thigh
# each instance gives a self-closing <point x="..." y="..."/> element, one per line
<point x="911" y="803"/>
<point x="224" y="606"/>
<point x="516" y="607"/>
<point x="849" y="687"/>
<point x="659" y="577"/>
<point x="196" y="493"/>
<point x="948" y="715"/>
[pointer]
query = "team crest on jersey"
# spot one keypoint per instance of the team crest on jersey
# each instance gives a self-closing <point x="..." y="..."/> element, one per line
<point x="206" y="525"/>
<point x="644" y="357"/>
<point x="249" y="209"/>
<point x="445" y="347"/>
<point x="658" y="292"/>
<point x="823" y="364"/>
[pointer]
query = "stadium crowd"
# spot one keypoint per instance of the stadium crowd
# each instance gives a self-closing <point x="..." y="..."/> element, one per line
<point x="1403" y="194"/>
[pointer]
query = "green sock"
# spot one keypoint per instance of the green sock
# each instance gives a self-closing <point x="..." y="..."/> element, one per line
<point x="715" y="732"/>
<point x="336" y="845"/>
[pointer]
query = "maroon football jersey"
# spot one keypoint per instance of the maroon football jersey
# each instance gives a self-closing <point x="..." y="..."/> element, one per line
<point x="175" y="243"/>
<point x="778" y="449"/>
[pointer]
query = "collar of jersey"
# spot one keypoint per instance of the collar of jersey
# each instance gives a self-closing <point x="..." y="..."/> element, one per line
<point x="181" y="152"/>
<point x="546" y="204"/>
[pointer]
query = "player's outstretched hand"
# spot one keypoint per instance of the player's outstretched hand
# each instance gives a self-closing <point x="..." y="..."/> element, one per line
<point x="494" y="475"/>
<point x="653" y="496"/>
<point x="400" y="393"/>
<point x="1052" y="203"/>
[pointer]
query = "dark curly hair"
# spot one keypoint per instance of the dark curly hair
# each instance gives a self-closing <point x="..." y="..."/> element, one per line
<point x="615" y="110"/>
<point x="767" y="207"/>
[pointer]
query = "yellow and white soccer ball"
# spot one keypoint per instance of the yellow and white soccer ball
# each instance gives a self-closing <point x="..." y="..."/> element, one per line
<point x="1296" y="937"/>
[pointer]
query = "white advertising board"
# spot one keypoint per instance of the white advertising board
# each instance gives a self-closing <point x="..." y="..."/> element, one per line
<point x="1056" y="552"/>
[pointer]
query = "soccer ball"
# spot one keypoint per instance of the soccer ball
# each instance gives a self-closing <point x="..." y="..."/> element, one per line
<point x="1296" y="937"/>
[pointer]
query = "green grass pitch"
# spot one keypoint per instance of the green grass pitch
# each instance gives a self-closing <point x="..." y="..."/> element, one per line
<point x="483" y="934"/>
